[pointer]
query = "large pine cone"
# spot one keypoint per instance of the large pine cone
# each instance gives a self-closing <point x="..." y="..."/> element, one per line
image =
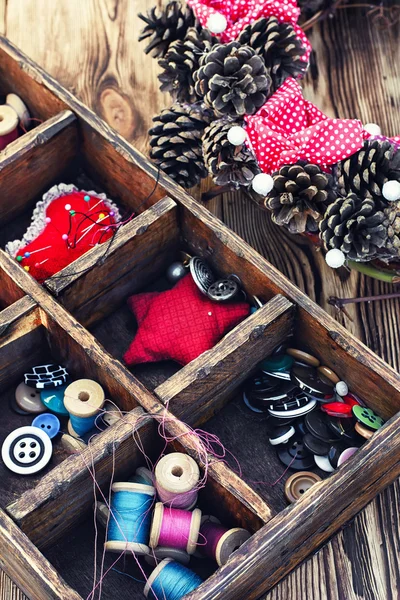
<point x="357" y="227"/>
<point x="365" y="172"/>
<point x="176" y="143"/>
<point x="300" y="196"/>
<point x="279" y="47"/>
<point x="180" y="63"/>
<point x="165" y="27"/>
<point x="233" y="80"/>
<point x="228" y="164"/>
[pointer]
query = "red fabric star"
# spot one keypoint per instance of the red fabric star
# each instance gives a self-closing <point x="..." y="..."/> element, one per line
<point x="179" y="324"/>
<point x="288" y="128"/>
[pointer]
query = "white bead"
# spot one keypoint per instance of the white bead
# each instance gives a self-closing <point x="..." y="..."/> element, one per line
<point x="335" y="258"/>
<point x="391" y="190"/>
<point x="342" y="388"/>
<point x="236" y="135"/>
<point x="262" y="184"/>
<point x="217" y="23"/>
<point x="373" y="128"/>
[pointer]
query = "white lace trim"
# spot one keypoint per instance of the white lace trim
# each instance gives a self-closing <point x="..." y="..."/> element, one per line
<point x="38" y="222"/>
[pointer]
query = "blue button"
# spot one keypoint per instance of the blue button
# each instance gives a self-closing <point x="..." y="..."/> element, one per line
<point x="53" y="399"/>
<point x="48" y="423"/>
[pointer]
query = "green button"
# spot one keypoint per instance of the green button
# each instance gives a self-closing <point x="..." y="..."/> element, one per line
<point x="277" y="364"/>
<point x="367" y="417"/>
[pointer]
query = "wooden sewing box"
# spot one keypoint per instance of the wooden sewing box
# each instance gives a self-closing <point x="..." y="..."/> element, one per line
<point x="47" y="538"/>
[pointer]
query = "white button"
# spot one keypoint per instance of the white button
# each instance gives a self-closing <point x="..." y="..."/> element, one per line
<point x="26" y="450"/>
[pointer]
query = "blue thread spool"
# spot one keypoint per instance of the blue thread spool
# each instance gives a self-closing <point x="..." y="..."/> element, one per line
<point x="130" y="519"/>
<point x="83" y="399"/>
<point x="171" y="581"/>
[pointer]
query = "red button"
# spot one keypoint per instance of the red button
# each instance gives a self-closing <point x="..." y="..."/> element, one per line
<point x="351" y="400"/>
<point x="337" y="409"/>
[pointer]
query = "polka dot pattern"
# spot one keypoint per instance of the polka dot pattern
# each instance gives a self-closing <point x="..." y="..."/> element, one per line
<point x="240" y="13"/>
<point x="289" y="128"/>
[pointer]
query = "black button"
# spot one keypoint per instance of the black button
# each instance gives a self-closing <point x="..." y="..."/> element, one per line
<point x="315" y="445"/>
<point x="342" y="428"/>
<point x="334" y="453"/>
<point x="295" y="451"/>
<point x="316" y="425"/>
<point x="308" y="380"/>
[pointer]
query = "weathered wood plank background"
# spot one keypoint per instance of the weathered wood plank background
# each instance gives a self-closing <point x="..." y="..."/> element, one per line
<point x="91" y="47"/>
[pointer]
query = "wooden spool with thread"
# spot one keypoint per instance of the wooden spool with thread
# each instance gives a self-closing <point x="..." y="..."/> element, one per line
<point x="83" y="399"/>
<point x="187" y="533"/>
<point x="177" y="476"/>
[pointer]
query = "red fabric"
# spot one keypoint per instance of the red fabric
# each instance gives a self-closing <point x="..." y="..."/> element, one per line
<point x="49" y="253"/>
<point x="179" y="324"/>
<point x="240" y="13"/>
<point x="288" y="128"/>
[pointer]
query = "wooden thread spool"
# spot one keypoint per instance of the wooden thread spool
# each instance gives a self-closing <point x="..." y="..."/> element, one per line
<point x="220" y="541"/>
<point x="130" y="512"/>
<point x="185" y="534"/>
<point x="8" y="126"/>
<point x="83" y="399"/>
<point x="177" y="476"/>
<point x="20" y="108"/>
<point x="142" y="475"/>
<point x="170" y="581"/>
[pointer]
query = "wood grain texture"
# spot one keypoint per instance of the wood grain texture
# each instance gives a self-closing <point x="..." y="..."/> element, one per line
<point x="355" y="74"/>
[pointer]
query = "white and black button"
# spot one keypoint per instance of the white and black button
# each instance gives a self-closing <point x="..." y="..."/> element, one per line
<point x="26" y="450"/>
<point x="281" y="435"/>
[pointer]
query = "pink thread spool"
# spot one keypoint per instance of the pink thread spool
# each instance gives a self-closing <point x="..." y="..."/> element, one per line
<point x="220" y="542"/>
<point x="175" y="528"/>
<point x="8" y="126"/>
<point x="20" y="108"/>
<point x="177" y="476"/>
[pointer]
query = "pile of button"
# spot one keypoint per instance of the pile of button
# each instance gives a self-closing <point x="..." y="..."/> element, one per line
<point x="28" y="449"/>
<point x="313" y="419"/>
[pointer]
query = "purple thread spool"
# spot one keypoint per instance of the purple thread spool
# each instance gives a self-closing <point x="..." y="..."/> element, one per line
<point x="218" y="542"/>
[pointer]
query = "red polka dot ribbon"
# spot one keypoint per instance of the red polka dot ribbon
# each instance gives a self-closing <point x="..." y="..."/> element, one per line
<point x="288" y="128"/>
<point x="240" y="13"/>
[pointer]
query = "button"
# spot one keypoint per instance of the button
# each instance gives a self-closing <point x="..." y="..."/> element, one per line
<point x="46" y="376"/>
<point x="295" y="402"/>
<point x="317" y="426"/>
<point x="303" y="357"/>
<point x="335" y="452"/>
<point x="295" y="455"/>
<point x="351" y="400"/>
<point x="28" y="399"/>
<point x="337" y="409"/>
<point x="341" y="428"/>
<point x="308" y="380"/>
<point x="201" y="273"/>
<point x="274" y="422"/>
<point x="223" y="290"/>
<point x="26" y="450"/>
<point x="367" y="417"/>
<point x="315" y="445"/>
<point x="300" y="427"/>
<point x="298" y="484"/>
<point x="48" y="423"/>
<point x="346" y="454"/>
<point x="327" y="373"/>
<point x="281" y="435"/>
<point x="365" y="432"/>
<point x="53" y="399"/>
<point x="323" y="463"/>
<point x="277" y="364"/>
<point x="15" y="408"/>
<point x="297" y="412"/>
<point x="251" y="406"/>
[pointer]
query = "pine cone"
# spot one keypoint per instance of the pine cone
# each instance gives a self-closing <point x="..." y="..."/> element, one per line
<point x="164" y="28"/>
<point x="365" y="172"/>
<point x="278" y="45"/>
<point x="300" y="196"/>
<point x="232" y="79"/>
<point x="228" y="164"/>
<point x="180" y="63"/>
<point x="176" y="143"/>
<point x="358" y="228"/>
<point x="392" y="214"/>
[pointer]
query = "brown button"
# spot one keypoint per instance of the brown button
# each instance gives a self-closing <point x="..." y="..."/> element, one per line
<point x="363" y="431"/>
<point x="327" y="373"/>
<point x="303" y="357"/>
<point x="297" y="484"/>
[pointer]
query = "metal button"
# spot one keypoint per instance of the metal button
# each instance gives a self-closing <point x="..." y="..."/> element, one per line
<point x="201" y="273"/>
<point x="223" y="290"/>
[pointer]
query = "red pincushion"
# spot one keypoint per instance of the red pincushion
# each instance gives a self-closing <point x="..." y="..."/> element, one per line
<point x="179" y="324"/>
<point x="43" y="251"/>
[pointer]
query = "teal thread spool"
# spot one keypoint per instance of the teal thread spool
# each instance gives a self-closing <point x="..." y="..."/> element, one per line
<point x="143" y="476"/>
<point x="83" y="399"/>
<point x="171" y="581"/>
<point x="130" y="518"/>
